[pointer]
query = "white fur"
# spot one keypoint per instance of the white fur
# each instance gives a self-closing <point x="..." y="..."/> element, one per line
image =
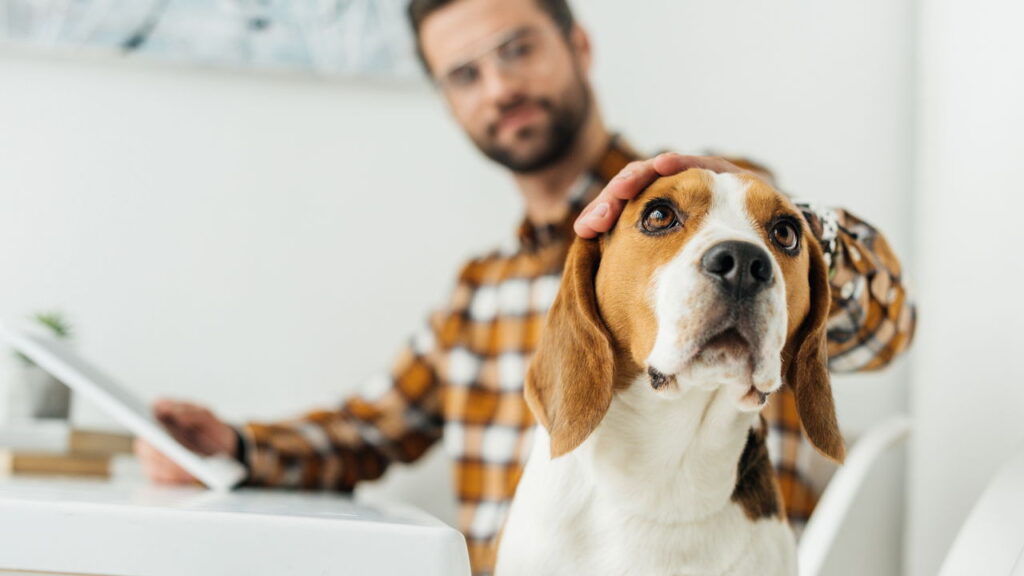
<point x="680" y="293"/>
<point x="649" y="492"/>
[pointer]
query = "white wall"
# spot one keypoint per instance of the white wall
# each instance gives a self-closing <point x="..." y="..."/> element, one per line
<point x="968" y="386"/>
<point x="262" y="243"/>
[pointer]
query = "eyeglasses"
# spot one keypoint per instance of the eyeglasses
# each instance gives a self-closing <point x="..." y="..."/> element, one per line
<point x="511" y="55"/>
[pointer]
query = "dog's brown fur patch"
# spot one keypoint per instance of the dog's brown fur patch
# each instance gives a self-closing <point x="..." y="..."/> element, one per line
<point x="630" y="260"/>
<point x="756" y="490"/>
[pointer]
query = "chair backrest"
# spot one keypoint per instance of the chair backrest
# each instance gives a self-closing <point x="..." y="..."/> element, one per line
<point x="820" y="533"/>
<point x="991" y="540"/>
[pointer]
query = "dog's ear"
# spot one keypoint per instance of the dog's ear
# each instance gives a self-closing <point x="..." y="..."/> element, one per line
<point x="569" y="382"/>
<point x="808" y="371"/>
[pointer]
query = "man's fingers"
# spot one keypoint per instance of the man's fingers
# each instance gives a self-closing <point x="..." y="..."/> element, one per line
<point x="167" y="475"/>
<point x="189" y="424"/>
<point x="158" y="467"/>
<point x="671" y="163"/>
<point x="599" y="218"/>
<point x="181" y="411"/>
<point x="181" y="414"/>
<point x="141" y="448"/>
<point x="636" y="176"/>
<point x="600" y="215"/>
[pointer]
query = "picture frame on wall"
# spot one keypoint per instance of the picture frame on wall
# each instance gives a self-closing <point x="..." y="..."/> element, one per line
<point x="331" y="38"/>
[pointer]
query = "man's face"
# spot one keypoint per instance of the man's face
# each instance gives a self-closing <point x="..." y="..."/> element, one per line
<point x="513" y="81"/>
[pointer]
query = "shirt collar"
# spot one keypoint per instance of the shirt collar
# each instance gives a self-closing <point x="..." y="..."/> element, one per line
<point x="584" y="189"/>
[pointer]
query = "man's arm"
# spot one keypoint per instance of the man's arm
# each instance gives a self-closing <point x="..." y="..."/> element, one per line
<point x="396" y="418"/>
<point x="871" y="319"/>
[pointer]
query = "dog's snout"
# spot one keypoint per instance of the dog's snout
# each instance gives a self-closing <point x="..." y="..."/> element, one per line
<point x="741" y="268"/>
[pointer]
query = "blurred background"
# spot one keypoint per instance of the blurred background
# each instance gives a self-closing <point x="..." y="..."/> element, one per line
<point x="253" y="207"/>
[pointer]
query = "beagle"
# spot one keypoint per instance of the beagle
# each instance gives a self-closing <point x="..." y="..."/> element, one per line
<point x="664" y="343"/>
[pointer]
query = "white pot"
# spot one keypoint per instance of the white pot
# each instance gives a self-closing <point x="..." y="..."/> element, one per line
<point x="34" y="393"/>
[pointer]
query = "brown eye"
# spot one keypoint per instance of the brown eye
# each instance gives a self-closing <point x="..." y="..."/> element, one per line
<point x="659" y="218"/>
<point x="785" y="236"/>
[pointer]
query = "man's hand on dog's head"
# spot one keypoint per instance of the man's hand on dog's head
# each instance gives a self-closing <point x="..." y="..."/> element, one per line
<point x="602" y="213"/>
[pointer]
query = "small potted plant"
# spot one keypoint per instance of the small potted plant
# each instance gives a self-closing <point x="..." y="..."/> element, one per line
<point x="40" y="394"/>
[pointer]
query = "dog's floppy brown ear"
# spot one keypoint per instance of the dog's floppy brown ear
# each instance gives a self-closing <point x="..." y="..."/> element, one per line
<point x="808" y="371"/>
<point x="569" y="382"/>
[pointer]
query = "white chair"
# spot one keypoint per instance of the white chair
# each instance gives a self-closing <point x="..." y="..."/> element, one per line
<point x="820" y="533"/>
<point x="991" y="540"/>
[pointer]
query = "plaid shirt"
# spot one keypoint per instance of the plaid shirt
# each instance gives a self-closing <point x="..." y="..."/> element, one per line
<point x="461" y="378"/>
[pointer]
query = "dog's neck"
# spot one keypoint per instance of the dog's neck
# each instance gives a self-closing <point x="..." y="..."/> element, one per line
<point x="676" y="457"/>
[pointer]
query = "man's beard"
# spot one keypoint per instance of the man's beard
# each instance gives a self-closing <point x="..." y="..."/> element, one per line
<point x="558" y="137"/>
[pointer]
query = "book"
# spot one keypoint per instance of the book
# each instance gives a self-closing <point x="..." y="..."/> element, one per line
<point x="13" y="463"/>
<point x="99" y="443"/>
<point x="54" y="436"/>
<point x="52" y="447"/>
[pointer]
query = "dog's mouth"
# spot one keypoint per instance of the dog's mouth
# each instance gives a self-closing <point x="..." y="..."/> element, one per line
<point x="726" y="343"/>
<point x="658" y="379"/>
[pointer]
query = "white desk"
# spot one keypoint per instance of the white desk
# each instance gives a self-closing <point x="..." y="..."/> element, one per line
<point x="120" y="529"/>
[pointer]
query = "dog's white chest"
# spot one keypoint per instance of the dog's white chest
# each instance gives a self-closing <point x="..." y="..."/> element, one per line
<point x="577" y="515"/>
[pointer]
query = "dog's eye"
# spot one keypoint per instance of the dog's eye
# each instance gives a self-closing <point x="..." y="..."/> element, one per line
<point x="785" y="236"/>
<point x="659" y="218"/>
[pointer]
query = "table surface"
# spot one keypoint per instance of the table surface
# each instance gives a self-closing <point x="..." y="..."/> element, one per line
<point x="129" y="527"/>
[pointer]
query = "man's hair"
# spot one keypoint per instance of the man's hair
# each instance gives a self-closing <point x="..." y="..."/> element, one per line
<point x="558" y="10"/>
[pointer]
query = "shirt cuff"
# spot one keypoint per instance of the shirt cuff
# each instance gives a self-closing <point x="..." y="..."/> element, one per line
<point x="242" y="452"/>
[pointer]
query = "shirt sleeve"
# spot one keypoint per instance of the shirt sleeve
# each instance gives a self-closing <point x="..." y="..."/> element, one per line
<point x="871" y="319"/>
<point x="397" y="417"/>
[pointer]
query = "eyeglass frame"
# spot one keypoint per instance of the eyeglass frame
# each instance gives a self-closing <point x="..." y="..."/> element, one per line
<point x="506" y="53"/>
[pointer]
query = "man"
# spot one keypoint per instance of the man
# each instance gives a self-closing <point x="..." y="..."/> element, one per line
<point x="514" y="74"/>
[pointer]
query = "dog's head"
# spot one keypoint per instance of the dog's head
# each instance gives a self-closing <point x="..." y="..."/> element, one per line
<point x="707" y="280"/>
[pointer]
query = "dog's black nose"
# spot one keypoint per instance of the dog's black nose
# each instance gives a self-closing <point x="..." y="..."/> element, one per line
<point x="741" y="268"/>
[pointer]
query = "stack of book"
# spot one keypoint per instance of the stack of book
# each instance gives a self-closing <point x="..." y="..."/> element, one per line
<point x="54" y="448"/>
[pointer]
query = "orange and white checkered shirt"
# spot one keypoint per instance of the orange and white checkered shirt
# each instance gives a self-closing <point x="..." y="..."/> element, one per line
<point x="461" y="378"/>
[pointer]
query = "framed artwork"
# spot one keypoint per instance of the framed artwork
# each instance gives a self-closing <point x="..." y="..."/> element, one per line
<point x="354" y="38"/>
